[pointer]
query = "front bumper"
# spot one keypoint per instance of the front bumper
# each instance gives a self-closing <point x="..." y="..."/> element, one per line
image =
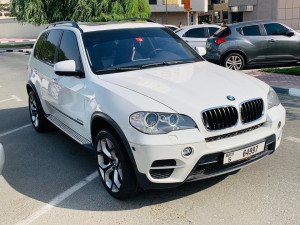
<point x="163" y="166"/>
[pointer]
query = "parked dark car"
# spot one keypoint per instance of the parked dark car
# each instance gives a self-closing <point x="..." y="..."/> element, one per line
<point x="256" y="42"/>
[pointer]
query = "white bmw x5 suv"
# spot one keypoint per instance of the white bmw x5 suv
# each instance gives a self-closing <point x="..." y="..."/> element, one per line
<point x="156" y="113"/>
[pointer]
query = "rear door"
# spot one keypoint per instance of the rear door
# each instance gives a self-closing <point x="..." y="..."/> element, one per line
<point x="281" y="46"/>
<point x="69" y="97"/>
<point x="254" y="43"/>
<point x="196" y="37"/>
<point x="44" y="67"/>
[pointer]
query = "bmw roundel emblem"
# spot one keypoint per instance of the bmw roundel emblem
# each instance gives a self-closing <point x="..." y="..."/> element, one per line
<point x="230" y="98"/>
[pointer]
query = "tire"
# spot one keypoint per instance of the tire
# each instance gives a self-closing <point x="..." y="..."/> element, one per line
<point x="36" y="112"/>
<point x="234" y="61"/>
<point x="115" y="169"/>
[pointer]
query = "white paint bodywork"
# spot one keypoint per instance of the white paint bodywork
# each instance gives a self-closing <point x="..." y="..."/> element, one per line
<point x="195" y="42"/>
<point x="185" y="89"/>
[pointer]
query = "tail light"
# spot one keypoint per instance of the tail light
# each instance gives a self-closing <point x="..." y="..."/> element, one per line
<point x="221" y="40"/>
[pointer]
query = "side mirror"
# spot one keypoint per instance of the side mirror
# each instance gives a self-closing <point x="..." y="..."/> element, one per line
<point x="289" y="33"/>
<point x="67" y="68"/>
<point x="201" y="51"/>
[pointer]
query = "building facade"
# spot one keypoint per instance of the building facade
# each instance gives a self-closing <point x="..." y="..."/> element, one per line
<point x="285" y="11"/>
<point x="217" y="12"/>
<point x="4" y="9"/>
<point x="173" y="12"/>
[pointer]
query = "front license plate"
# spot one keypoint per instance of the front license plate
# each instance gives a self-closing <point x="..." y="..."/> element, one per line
<point x="230" y="157"/>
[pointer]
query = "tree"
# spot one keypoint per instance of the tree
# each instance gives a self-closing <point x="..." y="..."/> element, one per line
<point x="48" y="11"/>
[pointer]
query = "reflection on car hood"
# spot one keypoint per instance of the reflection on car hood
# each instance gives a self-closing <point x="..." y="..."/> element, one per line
<point x="190" y="88"/>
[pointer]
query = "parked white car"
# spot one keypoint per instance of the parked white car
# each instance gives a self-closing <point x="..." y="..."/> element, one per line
<point x="2" y="158"/>
<point x="156" y="113"/>
<point x="196" y="35"/>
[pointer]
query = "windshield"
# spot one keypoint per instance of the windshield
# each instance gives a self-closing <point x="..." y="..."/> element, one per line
<point x="130" y="49"/>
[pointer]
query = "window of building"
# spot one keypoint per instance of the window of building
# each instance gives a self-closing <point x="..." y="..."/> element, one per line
<point x="275" y="29"/>
<point x="152" y="2"/>
<point x="68" y="49"/>
<point x="251" y="31"/>
<point x="196" y="33"/>
<point x="50" y="46"/>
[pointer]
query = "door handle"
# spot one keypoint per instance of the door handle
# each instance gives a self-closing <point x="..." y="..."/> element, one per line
<point x="272" y="40"/>
<point x="54" y="80"/>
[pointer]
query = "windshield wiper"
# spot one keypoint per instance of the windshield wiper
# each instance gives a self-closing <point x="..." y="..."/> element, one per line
<point x="168" y="63"/>
<point x="118" y="69"/>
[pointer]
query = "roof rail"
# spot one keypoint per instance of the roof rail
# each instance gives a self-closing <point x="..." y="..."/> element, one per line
<point x="72" y="23"/>
<point x="133" y="19"/>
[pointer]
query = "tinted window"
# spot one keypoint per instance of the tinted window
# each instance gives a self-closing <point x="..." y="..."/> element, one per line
<point x="251" y="30"/>
<point x="134" y="48"/>
<point x="212" y="30"/>
<point x="275" y="29"/>
<point x="223" y="31"/>
<point x="39" y="45"/>
<point x="69" y="49"/>
<point x="50" y="46"/>
<point x="196" y="33"/>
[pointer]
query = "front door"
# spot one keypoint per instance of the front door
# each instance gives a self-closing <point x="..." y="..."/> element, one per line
<point x="280" y="46"/>
<point x="69" y="98"/>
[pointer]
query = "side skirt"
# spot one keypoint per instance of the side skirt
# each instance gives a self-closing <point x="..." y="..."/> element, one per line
<point x="73" y="134"/>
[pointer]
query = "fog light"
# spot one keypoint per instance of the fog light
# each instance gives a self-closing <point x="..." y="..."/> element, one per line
<point x="187" y="152"/>
<point x="279" y="125"/>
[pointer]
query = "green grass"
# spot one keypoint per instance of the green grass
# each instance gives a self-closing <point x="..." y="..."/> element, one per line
<point x="17" y="46"/>
<point x="290" y="71"/>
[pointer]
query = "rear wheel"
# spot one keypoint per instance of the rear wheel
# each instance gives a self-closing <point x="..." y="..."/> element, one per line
<point x="114" y="166"/>
<point x="234" y="61"/>
<point x="37" y="117"/>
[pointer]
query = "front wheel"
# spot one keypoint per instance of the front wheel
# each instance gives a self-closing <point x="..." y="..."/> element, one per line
<point x="114" y="166"/>
<point x="234" y="61"/>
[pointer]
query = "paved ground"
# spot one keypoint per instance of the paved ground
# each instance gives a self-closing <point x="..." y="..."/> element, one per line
<point x="39" y="167"/>
<point x="275" y="79"/>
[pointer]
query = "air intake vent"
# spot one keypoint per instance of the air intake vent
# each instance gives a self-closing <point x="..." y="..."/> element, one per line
<point x="220" y="118"/>
<point x="252" y="110"/>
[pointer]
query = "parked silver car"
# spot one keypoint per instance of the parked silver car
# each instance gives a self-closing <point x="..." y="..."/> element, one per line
<point x="257" y="42"/>
<point x="1" y="158"/>
<point x="196" y="35"/>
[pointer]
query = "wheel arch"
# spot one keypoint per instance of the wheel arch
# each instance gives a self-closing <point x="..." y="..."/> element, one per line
<point x="30" y="87"/>
<point x="239" y="51"/>
<point x="100" y="121"/>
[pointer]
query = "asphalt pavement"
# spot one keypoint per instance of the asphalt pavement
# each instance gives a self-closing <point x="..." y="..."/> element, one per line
<point x="52" y="168"/>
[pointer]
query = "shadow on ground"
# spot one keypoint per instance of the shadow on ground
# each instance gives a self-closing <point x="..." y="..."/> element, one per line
<point x="43" y="165"/>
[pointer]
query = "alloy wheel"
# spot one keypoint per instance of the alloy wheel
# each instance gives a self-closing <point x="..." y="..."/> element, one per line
<point x="109" y="165"/>
<point x="33" y="111"/>
<point x="234" y="62"/>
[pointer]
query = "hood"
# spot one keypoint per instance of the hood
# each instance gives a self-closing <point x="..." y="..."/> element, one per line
<point x="191" y="88"/>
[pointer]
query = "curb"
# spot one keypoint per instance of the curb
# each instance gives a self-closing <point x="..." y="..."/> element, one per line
<point x="14" y="50"/>
<point x="19" y="41"/>
<point x="288" y="91"/>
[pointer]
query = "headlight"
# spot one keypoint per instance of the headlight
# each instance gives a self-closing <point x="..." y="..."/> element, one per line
<point x="273" y="99"/>
<point x="160" y="123"/>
